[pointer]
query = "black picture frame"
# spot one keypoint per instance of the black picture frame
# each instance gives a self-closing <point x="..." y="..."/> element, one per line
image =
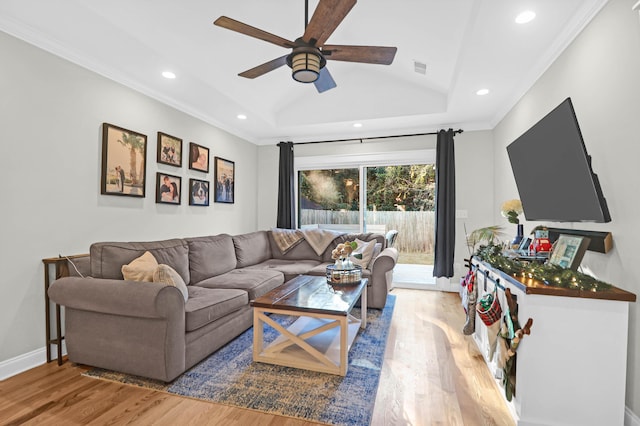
<point x="568" y="251"/>
<point x="225" y="171"/>
<point x="198" y="157"/>
<point x="168" y="188"/>
<point x="199" y="192"/>
<point x="169" y="150"/>
<point x="122" y="173"/>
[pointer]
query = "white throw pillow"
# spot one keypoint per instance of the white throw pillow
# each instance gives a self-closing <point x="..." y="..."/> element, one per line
<point x="141" y="268"/>
<point x="366" y="250"/>
<point x="165" y="274"/>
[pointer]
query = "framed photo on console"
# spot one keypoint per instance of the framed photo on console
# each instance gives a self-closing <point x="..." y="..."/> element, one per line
<point x="169" y="150"/>
<point x="224" y="180"/>
<point x="568" y="251"/>
<point x="198" y="192"/>
<point x="168" y="188"/>
<point x="198" y="157"/>
<point x="124" y="154"/>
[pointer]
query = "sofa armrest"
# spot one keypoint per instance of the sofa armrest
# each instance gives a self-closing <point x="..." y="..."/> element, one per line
<point x="117" y="297"/>
<point x="385" y="261"/>
<point x="381" y="277"/>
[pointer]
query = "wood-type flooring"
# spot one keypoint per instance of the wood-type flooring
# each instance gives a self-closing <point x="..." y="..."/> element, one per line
<point x="432" y="375"/>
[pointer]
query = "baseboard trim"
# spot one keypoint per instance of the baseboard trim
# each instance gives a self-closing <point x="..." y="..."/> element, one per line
<point x="24" y="362"/>
<point x="630" y="418"/>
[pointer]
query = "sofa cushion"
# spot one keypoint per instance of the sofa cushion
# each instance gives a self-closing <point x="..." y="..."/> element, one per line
<point x="254" y="281"/>
<point x="301" y="251"/>
<point x="251" y="248"/>
<point x="365" y="248"/>
<point x="210" y="256"/>
<point x="165" y="274"/>
<point x="107" y="258"/>
<point x="367" y="236"/>
<point x="206" y="305"/>
<point x="290" y="268"/>
<point x="141" y="268"/>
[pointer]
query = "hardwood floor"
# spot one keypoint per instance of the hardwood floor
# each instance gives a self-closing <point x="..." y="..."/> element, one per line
<point x="432" y="375"/>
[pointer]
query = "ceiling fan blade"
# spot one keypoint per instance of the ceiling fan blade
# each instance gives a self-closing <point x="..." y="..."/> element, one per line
<point x="264" y="68"/>
<point x="367" y="54"/>
<point x="325" y="20"/>
<point x="237" y="26"/>
<point x="324" y="81"/>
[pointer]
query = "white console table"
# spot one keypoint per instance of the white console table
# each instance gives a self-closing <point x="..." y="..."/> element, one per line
<point x="571" y="369"/>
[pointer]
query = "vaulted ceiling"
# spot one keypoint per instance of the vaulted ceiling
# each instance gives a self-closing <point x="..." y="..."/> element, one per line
<point x="466" y="45"/>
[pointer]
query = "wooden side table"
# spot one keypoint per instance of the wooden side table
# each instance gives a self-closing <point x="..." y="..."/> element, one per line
<point x="60" y="267"/>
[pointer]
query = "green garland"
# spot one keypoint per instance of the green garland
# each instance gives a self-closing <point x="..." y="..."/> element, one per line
<point x="552" y="275"/>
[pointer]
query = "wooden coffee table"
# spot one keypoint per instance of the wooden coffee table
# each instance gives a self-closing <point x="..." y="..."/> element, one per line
<point x="321" y="337"/>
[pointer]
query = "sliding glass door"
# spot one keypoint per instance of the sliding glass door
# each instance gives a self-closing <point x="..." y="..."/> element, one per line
<point x="402" y="198"/>
<point x="329" y="198"/>
<point x="373" y="199"/>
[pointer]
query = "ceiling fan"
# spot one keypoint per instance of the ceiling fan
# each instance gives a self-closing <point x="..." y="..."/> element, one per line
<point x="309" y="53"/>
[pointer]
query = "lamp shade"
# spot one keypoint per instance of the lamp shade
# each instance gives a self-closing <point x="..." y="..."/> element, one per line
<point x="305" y="66"/>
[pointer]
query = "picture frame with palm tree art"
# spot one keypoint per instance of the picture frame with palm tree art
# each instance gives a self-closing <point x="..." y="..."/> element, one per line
<point x="124" y="166"/>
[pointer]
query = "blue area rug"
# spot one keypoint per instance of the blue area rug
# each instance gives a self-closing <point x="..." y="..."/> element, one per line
<point x="229" y="376"/>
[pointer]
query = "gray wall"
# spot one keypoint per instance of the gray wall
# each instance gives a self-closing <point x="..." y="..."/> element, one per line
<point x="51" y="113"/>
<point x="600" y="71"/>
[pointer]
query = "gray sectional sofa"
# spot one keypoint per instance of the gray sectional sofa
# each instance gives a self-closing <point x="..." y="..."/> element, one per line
<point x="148" y="329"/>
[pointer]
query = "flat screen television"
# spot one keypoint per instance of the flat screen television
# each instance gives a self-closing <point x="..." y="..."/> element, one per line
<point x="553" y="171"/>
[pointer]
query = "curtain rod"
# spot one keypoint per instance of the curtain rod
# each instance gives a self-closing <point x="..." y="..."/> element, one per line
<point x="374" y="138"/>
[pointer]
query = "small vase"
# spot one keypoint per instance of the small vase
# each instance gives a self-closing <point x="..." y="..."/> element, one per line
<point x="347" y="264"/>
<point x="518" y="238"/>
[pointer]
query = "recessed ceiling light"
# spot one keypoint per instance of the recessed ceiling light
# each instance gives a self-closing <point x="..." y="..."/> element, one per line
<point x="526" y="16"/>
<point x="482" y="92"/>
<point x="357" y="124"/>
<point x="241" y="117"/>
<point x="168" y="74"/>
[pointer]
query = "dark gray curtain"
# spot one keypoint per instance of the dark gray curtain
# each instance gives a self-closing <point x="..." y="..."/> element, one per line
<point x="445" y="205"/>
<point x="286" y="212"/>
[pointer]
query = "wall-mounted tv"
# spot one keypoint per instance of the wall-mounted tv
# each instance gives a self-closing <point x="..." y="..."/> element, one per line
<point x="553" y="171"/>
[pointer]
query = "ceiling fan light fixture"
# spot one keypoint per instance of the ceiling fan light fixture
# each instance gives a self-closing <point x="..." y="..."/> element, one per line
<point x="305" y="66"/>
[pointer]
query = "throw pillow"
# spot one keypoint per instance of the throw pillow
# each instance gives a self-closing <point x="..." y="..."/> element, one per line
<point x="141" y="268"/>
<point x="366" y="250"/>
<point x="165" y="274"/>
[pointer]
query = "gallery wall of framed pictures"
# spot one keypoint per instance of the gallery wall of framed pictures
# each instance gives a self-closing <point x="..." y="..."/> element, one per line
<point x="124" y="159"/>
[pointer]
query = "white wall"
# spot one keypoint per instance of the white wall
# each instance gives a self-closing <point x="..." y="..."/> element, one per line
<point x="600" y="72"/>
<point x="51" y="113"/>
<point x="474" y="157"/>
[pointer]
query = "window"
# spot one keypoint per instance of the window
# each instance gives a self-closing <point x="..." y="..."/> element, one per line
<point x="329" y="198"/>
<point x="393" y="191"/>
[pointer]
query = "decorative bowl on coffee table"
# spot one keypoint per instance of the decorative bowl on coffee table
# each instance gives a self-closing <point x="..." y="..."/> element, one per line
<point x="344" y="276"/>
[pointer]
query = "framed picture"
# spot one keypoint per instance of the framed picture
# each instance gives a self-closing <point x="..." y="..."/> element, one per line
<point x="168" y="188"/>
<point x="224" y="180"/>
<point x="198" y="157"/>
<point x="124" y="165"/>
<point x="568" y="251"/>
<point x="198" y="192"/>
<point x="169" y="150"/>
